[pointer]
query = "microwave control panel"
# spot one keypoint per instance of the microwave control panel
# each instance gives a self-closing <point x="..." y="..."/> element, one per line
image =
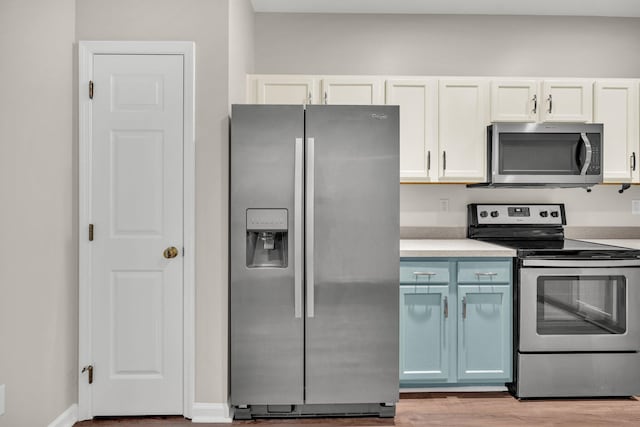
<point x="530" y="214"/>
<point x="596" y="156"/>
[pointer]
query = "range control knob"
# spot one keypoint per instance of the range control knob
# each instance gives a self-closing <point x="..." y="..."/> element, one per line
<point x="484" y="214"/>
<point x="555" y="214"/>
<point x="544" y="214"/>
<point x="494" y="214"/>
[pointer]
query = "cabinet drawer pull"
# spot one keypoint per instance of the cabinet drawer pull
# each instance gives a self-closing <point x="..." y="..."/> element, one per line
<point x="535" y="104"/>
<point x="429" y="274"/>
<point x="633" y="161"/>
<point x="446" y="307"/>
<point x="488" y="274"/>
<point x="550" y="103"/>
<point x="429" y="160"/>
<point x="444" y="161"/>
<point x="464" y="307"/>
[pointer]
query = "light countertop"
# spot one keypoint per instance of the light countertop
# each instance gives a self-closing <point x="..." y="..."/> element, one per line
<point x="428" y="248"/>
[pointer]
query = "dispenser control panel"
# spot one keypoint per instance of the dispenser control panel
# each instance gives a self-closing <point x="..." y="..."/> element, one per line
<point x="267" y="219"/>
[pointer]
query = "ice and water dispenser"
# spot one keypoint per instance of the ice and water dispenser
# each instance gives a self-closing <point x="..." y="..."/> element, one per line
<point x="267" y="232"/>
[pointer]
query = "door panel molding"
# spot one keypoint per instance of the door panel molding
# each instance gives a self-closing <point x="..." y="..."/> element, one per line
<point x="86" y="52"/>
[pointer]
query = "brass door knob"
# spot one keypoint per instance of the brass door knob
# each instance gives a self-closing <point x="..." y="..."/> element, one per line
<point x="170" y="252"/>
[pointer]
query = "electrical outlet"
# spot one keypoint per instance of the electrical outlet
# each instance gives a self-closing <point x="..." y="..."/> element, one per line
<point x="635" y="207"/>
<point x="444" y="205"/>
<point x="1" y="399"/>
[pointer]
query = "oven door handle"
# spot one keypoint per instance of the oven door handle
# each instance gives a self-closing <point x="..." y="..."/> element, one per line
<point x="581" y="263"/>
<point x="588" y="153"/>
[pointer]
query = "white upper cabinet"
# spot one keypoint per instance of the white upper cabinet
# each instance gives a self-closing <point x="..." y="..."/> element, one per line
<point x="443" y="120"/>
<point x="352" y="91"/>
<point x="463" y="116"/>
<point x="541" y="100"/>
<point x="567" y="101"/>
<point x="616" y="106"/>
<point x="418" y="127"/>
<point x="285" y="90"/>
<point x="514" y="101"/>
<point x="300" y="89"/>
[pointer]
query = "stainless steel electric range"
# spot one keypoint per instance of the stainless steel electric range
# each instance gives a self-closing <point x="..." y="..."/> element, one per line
<point x="576" y="304"/>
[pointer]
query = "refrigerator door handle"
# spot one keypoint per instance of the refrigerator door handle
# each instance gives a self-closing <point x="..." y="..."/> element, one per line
<point x="309" y="225"/>
<point x="297" y="228"/>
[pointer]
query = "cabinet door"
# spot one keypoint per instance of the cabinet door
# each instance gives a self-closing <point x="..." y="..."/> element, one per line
<point x="424" y="345"/>
<point x="484" y="332"/>
<point x="463" y="116"/>
<point x="567" y="101"/>
<point x="352" y="91"/>
<point x="514" y="101"/>
<point x="616" y="106"/>
<point x="290" y="90"/>
<point x="418" y="133"/>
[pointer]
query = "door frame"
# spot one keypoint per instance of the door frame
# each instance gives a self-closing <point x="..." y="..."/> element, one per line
<point x="86" y="52"/>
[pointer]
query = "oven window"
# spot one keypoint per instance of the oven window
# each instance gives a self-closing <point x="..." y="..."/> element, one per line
<point x="581" y="305"/>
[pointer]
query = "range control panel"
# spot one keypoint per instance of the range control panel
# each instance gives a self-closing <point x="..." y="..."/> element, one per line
<point x="525" y="214"/>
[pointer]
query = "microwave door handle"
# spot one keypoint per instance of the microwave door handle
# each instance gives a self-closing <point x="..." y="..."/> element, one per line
<point x="588" y="154"/>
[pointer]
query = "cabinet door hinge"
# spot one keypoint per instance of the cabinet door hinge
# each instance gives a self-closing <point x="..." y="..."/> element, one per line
<point x="90" y="89"/>
<point x="91" y="232"/>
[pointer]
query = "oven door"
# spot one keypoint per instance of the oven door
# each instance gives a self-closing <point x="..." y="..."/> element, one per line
<point x="579" y="309"/>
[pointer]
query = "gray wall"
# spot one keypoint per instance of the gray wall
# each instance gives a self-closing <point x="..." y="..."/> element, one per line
<point x="205" y="22"/>
<point x="38" y="167"/>
<point x="241" y="48"/>
<point x="447" y="45"/>
<point x="38" y="218"/>
<point x="39" y="181"/>
<point x="458" y="45"/>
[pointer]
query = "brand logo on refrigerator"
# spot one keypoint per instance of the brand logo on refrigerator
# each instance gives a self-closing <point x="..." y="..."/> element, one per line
<point x="379" y="116"/>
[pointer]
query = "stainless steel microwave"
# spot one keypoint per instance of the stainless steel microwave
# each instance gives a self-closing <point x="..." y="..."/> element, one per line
<point x="546" y="154"/>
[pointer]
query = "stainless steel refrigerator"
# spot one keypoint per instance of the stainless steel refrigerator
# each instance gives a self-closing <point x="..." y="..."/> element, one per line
<point x="314" y="260"/>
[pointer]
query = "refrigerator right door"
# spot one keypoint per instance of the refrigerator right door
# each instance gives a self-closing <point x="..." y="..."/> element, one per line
<point x="352" y="259"/>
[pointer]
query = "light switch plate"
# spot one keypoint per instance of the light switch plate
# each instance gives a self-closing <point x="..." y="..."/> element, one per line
<point x="635" y="207"/>
<point x="1" y="399"/>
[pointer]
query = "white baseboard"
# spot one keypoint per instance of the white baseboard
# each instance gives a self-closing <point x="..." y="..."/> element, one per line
<point x="67" y="419"/>
<point x="211" y="413"/>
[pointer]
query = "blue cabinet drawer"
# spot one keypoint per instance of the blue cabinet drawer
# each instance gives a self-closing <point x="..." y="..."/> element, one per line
<point x="484" y="272"/>
<point x="424" y="272"/>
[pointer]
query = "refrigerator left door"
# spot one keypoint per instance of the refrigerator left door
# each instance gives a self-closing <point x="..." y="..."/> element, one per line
<point x="265" y="298"/>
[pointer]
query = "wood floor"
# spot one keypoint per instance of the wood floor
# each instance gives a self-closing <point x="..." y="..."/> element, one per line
<point x="459" y="409"/>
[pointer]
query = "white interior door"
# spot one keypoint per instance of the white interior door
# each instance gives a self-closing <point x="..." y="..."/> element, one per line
<point x="137" y="211"/>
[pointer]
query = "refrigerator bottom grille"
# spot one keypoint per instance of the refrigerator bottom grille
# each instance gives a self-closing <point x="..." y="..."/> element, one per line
<point x="300" y="411"/>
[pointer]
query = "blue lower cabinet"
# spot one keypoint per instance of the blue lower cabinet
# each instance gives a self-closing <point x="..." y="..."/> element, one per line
<point x="484" y="332"/>
<point x="458" y="331"/>
<point x="424" y="347"/>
